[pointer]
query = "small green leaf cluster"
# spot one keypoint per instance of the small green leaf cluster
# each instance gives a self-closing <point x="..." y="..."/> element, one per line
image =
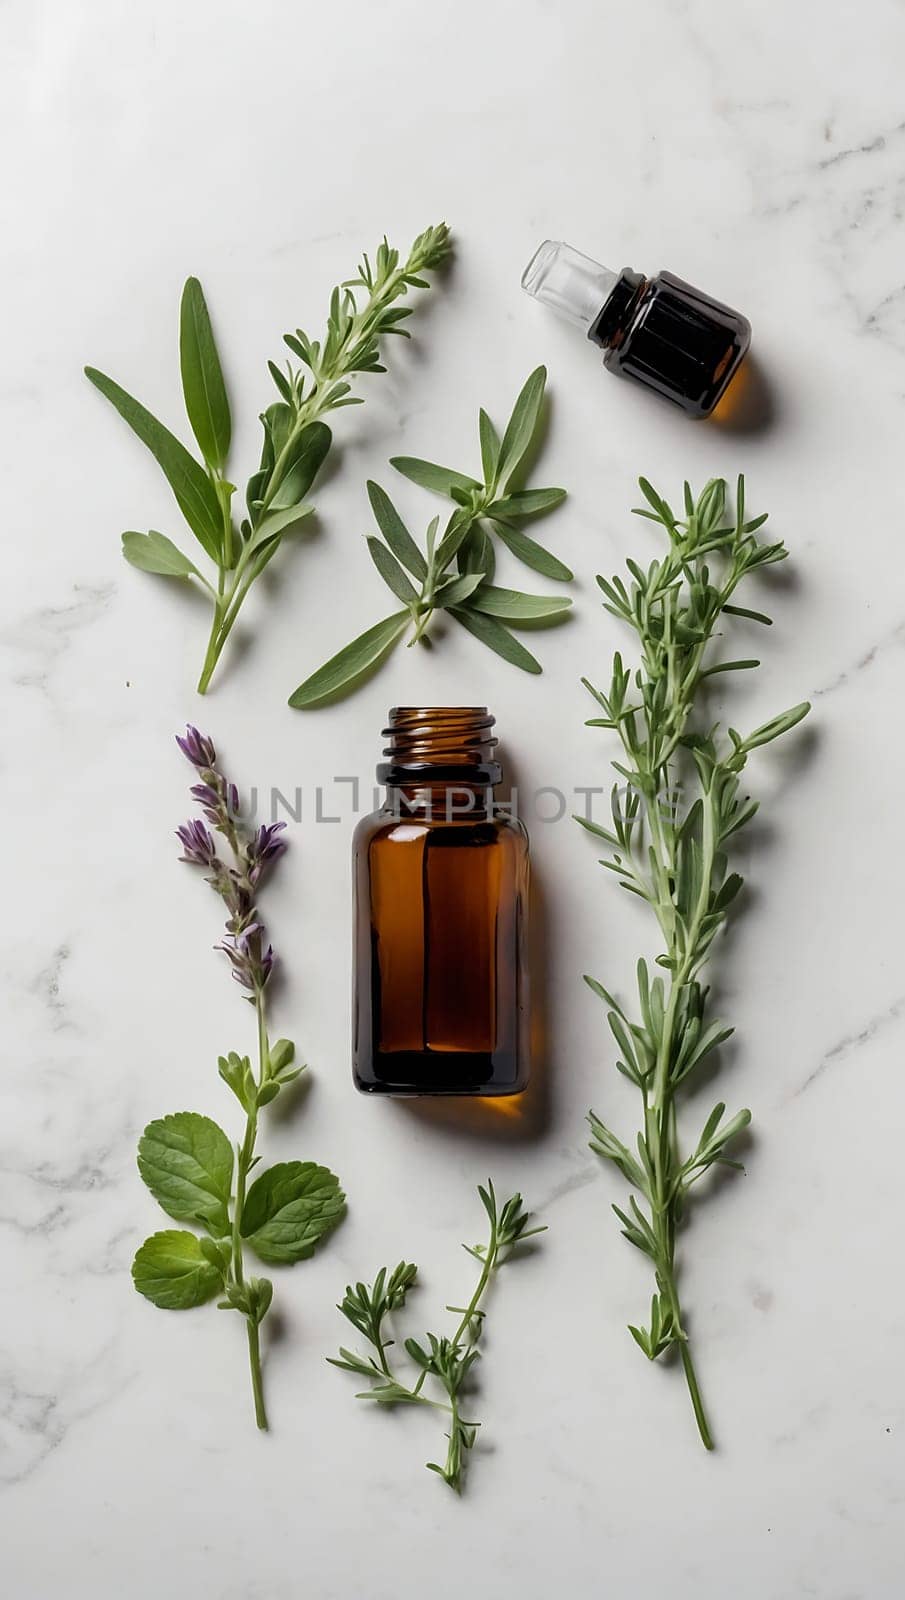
<point x="187" y="1162"/>
<point x="296" y="439"/>
<point x="454" y="572"/>
<point x="678" y="807"/>
<point x="447" y="1360"/>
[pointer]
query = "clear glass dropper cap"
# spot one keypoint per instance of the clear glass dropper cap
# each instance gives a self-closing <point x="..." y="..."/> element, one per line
<point x="568" y="282"/>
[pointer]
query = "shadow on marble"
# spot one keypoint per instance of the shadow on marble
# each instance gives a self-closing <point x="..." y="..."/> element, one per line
<point x="749" y="405"/>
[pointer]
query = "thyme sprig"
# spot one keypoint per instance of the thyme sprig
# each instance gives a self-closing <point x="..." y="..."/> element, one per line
<point x="296" y="441"/>
<point x="447" y="1361"/>
<point x="680" y="807"/>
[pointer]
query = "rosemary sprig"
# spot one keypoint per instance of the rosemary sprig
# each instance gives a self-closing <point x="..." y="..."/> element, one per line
<point x="448" y="1361"/>
<point x="671" y="824"/>
<point x="455" y="573"/>
<point x="296" y="439"/>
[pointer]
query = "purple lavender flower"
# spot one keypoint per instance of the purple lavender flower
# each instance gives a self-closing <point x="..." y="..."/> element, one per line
<point x="251" y="963"/>
<point x="197" y="844"/>
<point x="199" y="749"/>
<point x="245" y="943"/>
<point x="264" y="848"/>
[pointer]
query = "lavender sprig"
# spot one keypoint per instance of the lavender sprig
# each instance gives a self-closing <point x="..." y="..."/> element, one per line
<point x="186" y="1160"/>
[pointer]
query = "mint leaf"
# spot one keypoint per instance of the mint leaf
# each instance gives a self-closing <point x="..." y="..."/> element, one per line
<point x="170" y="1270"/>
<point x="289" y="1208"/>
<point x="186" y="1161"/>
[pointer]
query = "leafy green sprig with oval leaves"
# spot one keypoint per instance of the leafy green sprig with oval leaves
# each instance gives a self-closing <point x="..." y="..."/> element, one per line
<point x="676" y="811"/>
<point x="296" y="438"/>
<point x="187" y="1160"/>
<point x="446" y="1361"/>
<point x="454" y="572"/>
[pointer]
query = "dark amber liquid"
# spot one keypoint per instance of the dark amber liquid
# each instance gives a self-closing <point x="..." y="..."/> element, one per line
<point x="680" y="342"/>
<point x="440" y="1001"/>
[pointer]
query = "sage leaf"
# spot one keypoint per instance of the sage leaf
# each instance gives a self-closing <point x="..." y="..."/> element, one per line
<point x="275" y="523"/>
<point x="349" y="664"/>
<point x="395" y="531"/>
<point x="522" y="424"/>
<point x="533" y="554"/>
<point x="391" y="572"/>
<point x="490" y="449"/>
<point x="186" y="1161"/>
<point x="154" y="552"/>
<point x="496" y="637"/>
<point x="206" y="401"/>
<point x="289" y="1208"/>
<point x="454" y="590"/>
<point x="195" y="494"/>
<point x="171" y="1270"/>
<point x="442" y="480"/>
<point x="305" y="458"/>
<point x="518" y="607"/>
<point x="527" y="503"/>
<point x="477" y="553"/>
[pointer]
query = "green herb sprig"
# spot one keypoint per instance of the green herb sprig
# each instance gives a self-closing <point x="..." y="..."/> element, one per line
<point x="186" y="1160"/>
<point x="296" y="439"/>
<point x="672" y="822"/>
<point x="455" y="573"/>
<point x="447" y="1361"/>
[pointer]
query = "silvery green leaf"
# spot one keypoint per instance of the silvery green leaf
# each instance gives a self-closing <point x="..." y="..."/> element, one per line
<point x="476" y="553"/>
<point x="497" y="638"/>
<point x="298" y="472"/>
<point x="455" y="590"/>
<point x="391" y="572"/>
<point x="521" y="425"/>
<point x="442" y="480"/>
<point x="526" y="503"/>
<point x="277" y="522"/>
<point x="154" y="552"/>
<point x="490" y="449"/>
<point x="777" y="726"/>
<point x="517" y="607"/>
<point x="206" y="401"/>
<point x="349" y="664"/>
<point x="395" y="531"/>
<point x="195" y="494"/>
<point x="533" y="554"/>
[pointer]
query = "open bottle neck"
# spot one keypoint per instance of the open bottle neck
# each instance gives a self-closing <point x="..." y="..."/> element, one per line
<point x="437" y="746"/>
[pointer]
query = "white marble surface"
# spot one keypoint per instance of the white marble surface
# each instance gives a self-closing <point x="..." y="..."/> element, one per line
<point x="759" y="151"/>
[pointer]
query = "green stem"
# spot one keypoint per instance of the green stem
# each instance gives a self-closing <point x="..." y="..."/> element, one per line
<point x="254" y="1357"/>
<point x="243" y="1165"/>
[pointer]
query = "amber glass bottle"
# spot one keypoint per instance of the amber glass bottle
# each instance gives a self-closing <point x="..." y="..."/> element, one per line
<point x="441" y="883"/>
<point x="660" y="331"/>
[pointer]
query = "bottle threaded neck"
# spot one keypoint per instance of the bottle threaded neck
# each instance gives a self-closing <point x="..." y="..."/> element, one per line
<point x="436" y="743"/>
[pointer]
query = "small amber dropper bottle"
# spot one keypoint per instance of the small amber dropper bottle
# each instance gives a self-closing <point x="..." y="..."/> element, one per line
<point x="441" y="884"/>
<point x="660" y="331"/>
